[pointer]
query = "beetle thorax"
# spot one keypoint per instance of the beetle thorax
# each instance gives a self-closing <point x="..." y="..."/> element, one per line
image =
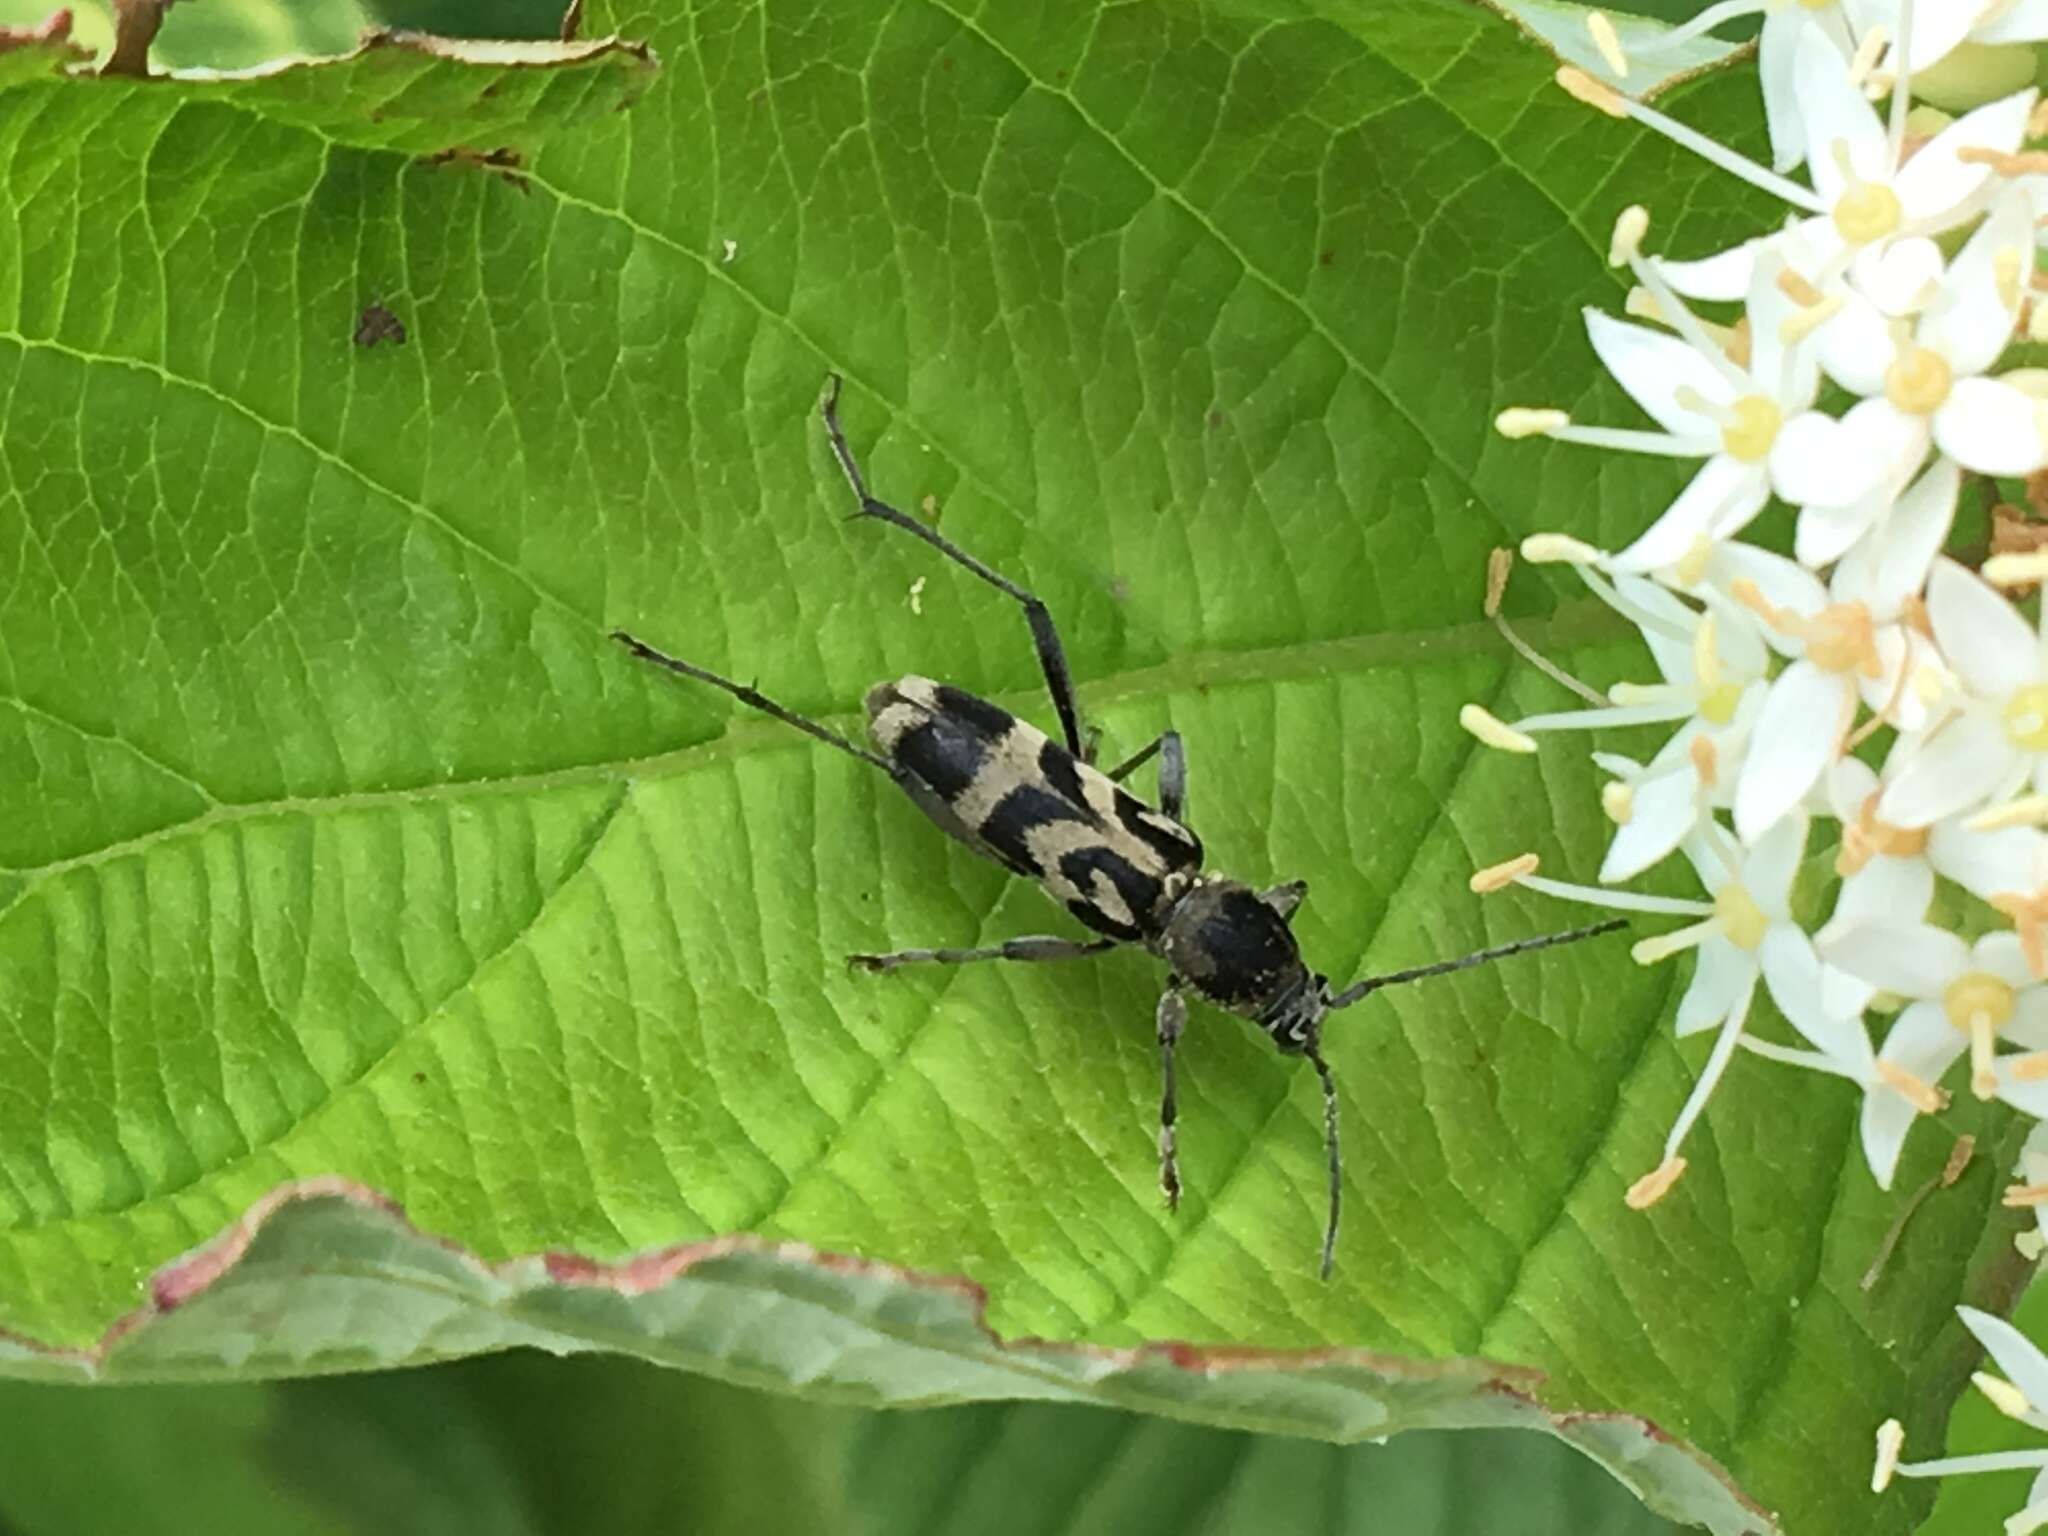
<point x="1232" y="947"/>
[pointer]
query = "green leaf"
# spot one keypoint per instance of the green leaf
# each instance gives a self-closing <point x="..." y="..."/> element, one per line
<point x="350" y="844"/>
<point x="325" y="1278"/>
<point x="518" y="1444"/>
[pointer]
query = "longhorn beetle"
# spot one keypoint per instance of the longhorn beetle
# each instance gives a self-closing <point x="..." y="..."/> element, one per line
<point x="1131" y="873"/>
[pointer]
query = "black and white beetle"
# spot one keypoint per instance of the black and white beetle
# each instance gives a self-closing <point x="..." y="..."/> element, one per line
<point x="1131" y="873"/>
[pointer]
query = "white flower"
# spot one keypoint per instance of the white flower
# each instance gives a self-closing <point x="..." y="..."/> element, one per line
<point x="1996" y="737"/>
<point x="2022" y="1396"/>
<point x="1751" y="421"/>
<point x="1849" y="640"/>
<point x="1783" y="26"/>
<point x="1872" y="210"/>
<point x="1888" y="872"/>
<point x="1924" y="377"/>
<point x="1964" y="997"/>
<point x="1746" y="932"/>
<point x="1713" y="665"/>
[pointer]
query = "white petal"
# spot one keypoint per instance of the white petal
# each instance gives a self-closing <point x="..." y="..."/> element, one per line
<point x="1898" y="275"/>
<point x="1738" y="638"/>
<point x="1938" y="25"/>
<point x="1911" y="959"/>
<point x="1953" y="768"/>
<point x="2025" y="21"/>
<point x="1793" y="973"/>
<point x="1825" y="533"/>
<point x="1798" y="735"/>
<point x="1724" y="489"/>
<point x="1783" y="583"/>
<point x="2024" y="1364"/>
<point x="1787" y="372"/>
<point x="1982" y="636"/>
<point x="1970" y="321"/>
<point x="1923" y="1041"/>
<point x="2000" y="955"/>
<point x="1776" y="47"/>
<point x="1855" y="346"/>
<point x="1884" y="890"/>
<point x="1654" y="366"/>
<point x="1816" y="460"/>
<point x="1670" y="638"/>
<point x="1724" y="276"/>
<point x="1833" y="111"/>
<point x="1850" y="782"/>
<point x="1934" y="187"/>
<point x="1721" y="974"/>
<point x="1901" y="655"/>
<point x="1882" y="573"/>
<point x="1991" y="427"/>
<point x="1988" y="864"/>
<point x="1664" y="809"/>
<point x="1768" y="870"/>
<point x="1886" y="1119"/>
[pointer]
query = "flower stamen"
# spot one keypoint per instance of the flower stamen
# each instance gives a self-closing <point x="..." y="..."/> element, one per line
<point x="1654" y="1185"/>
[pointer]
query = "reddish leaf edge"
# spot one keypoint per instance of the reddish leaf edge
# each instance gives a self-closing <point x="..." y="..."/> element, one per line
<point x="52" y="40"/>
<point x="1617" y="1440"/>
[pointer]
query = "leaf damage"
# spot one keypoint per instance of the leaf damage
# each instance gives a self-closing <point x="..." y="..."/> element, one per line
<point x="315" y="1268"/>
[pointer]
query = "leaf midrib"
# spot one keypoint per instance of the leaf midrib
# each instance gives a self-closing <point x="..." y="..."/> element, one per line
<point x="1575" y="625"/>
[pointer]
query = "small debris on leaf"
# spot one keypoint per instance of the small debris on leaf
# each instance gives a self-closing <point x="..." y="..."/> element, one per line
<point x="375" y="324"/>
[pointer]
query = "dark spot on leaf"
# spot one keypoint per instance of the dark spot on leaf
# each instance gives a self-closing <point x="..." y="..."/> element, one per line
<point x="1215" y="419"/>
<point x="375" y="324"/>
<point x="505" y="161"/>
<point x="1326" y="258"/>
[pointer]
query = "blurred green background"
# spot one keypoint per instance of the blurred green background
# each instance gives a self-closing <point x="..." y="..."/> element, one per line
<point x="523" y="1444"/>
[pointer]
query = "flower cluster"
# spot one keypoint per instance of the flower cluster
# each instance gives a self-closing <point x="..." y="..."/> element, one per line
<point x="1854" y="367"/>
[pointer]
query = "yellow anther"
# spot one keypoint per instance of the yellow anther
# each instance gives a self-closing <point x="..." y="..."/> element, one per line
<point x="1608" y="41"/>
<point x="1550" y="548"/>
<point x="1796" y="288"/>
<point x="1618" y="800"/>
<point x="1654" y="1185"/>
<point x="2032" y="1067"/>
<point x="1529" y="421"/>
<point x="2003" y="1395"/>
<point x="1629" y="228"/>
<point x="1706" y="761"/>
<point x="1866" y="837"/>
<point x="1925" y="1098"/>
<point x="1583" y="87"/>
<point x="2017" y="569"/>
<point x="1498" y="876"/>
<point x="1494" y="732"/>
<point x="2022" y="1196"/>
<point x="1891" y="1440"/>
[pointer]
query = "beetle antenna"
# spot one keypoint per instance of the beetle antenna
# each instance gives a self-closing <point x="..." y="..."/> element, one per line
<point x="1360" y="988"/>
<point x="1322" y="1067"/>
